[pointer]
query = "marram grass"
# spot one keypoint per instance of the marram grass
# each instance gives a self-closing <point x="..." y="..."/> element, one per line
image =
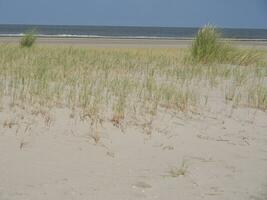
<point x="209" y="47"/>
<point x="121" y="82"/>
<point x="28" y="39"/>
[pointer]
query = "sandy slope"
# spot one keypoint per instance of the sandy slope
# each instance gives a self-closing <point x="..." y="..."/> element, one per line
<point x="50" y="155"/>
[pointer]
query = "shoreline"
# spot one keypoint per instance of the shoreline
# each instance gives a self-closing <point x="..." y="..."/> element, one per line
<point x="126" y="37"/>
<point x="128" y="42"/>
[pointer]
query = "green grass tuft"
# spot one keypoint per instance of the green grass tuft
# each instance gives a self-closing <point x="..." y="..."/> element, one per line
<point x="208" y="47"/>
<point x="28" y="39"/>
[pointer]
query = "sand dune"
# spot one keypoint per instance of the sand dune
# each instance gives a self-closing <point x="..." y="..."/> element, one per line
<point x="206" y="142"/>
<point x="219" y="155"/>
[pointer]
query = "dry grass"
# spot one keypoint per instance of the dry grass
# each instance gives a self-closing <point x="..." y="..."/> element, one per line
<point x="118" y="83"/>
<point x="179" y="171"/>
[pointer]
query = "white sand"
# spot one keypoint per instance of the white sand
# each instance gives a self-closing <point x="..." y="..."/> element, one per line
<point x="51" y="156"/>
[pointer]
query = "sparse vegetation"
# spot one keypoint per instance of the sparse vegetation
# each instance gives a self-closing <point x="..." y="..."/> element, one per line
<point x="125" y="84"/>
<point x="179" y="171"/>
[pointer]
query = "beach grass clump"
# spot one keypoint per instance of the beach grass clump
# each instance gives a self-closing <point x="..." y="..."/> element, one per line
<point x="206" y="46"/>
<point x="28" y="39"/>
<point x="179" y="171"/>
<point x="209" y="47"/>
<point x="244" y="57"/>
<point x="257" y="96"/>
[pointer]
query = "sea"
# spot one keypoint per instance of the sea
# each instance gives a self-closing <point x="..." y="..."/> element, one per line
<point x="126" y="32"/>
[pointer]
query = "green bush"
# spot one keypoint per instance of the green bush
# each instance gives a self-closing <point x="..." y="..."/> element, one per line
<point x="28" y="39"/>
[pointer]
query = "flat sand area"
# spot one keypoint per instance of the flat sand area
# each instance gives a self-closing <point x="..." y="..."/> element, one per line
<point x="220" y="155"/>
<point x="128" y="43"/>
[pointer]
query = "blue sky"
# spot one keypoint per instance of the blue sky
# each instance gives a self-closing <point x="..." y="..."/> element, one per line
<point x="173" y="13"/>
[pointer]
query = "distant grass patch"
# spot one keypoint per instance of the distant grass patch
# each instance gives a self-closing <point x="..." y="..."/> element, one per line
<point x="208" y="47"/>
<point x="28" y="39"/>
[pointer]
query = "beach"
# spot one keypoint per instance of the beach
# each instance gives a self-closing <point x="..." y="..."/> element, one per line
<point x="131" y="119"/>
<point x="129" y="43"/>
<point x="224" y="158"/>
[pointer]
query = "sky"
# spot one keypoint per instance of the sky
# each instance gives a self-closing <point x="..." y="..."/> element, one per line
<point x="165" y="13"/>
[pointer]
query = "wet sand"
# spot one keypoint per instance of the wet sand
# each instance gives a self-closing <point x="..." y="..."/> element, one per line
<point x="128" y="43"/>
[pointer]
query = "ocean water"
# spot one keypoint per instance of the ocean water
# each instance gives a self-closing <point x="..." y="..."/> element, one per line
<point x="126" y="32"/>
